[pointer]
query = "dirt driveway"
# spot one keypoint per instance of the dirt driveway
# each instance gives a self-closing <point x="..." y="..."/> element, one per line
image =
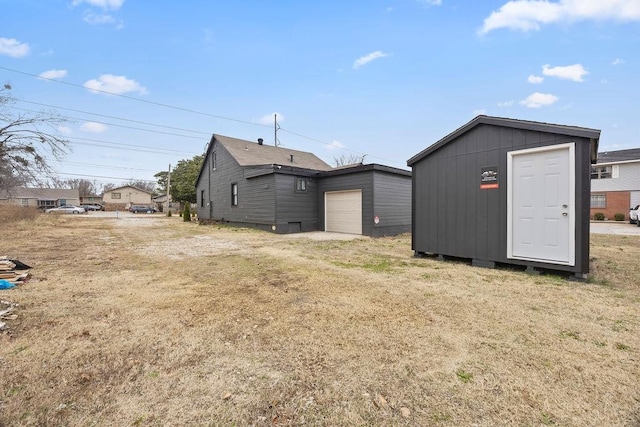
<point x="147" y="320"/>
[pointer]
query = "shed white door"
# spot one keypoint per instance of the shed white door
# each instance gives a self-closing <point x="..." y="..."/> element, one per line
<point x="343" y="211"/>
<point x="541" y="204"/>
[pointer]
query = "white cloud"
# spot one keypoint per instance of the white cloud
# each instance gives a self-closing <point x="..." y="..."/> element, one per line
<point x="93" y="127"/>
<point x="335" y="145"/>
<point x="526" y="15"/>
<point x="13" y="48"/>
<point x="431" y="2"/>
<point x="101" y="19"/>
<point x="574" y="72"/>
<point x="617" y="61"/>
<point x="535" y="79"/>
<point x="364" y="60"/>
<point x="65" y="130"/>
<point x="505" y="104"/>
<point x="53" y="74"/>
<point x="268" y="119"/>
<point x="537" y="100"/>
<point x="104" y="4"/>
<point x="116" y="85"/>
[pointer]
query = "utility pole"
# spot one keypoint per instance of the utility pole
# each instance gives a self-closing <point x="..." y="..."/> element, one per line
<point x="276" y="126"/>
<point x="169" y="191"/>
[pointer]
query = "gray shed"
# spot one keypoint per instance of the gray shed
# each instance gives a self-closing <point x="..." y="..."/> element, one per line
<point x="506" y="191"/>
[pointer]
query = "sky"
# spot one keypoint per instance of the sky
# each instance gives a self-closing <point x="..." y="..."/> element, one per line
<point x="144" y="84"/>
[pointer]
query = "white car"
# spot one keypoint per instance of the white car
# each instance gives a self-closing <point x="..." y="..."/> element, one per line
<point x="66" y="209"/>
<point x="633" y="215"/>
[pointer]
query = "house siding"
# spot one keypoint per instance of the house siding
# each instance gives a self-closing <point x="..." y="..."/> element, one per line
<point x="296" y="210"/>
<point x="256" y="202"/>
<point x="452" y="216"/>
<point x="628" y="179"/>
<point x="391" y="204"/>
<point x="621" y="191"/>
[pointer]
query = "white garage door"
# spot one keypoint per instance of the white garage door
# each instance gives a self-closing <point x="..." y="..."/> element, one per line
<point x="343" y="211"/>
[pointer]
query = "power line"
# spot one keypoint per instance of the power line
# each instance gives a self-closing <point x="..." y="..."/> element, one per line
<point x="115" y="124"/>
<point x="159" y="104"/>
<point x="121" y="146"/>
<point x="100" y="176"/>
<point x="113" y="117"/>
<point x="64" y="162"/>
<point x="194" y="112"/>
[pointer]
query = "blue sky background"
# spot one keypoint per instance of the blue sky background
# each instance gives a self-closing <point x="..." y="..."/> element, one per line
<point x="381" y="78"/>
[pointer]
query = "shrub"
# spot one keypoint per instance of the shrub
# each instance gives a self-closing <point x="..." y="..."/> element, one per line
<point x="186" y="213"/>
<point x="169" y="212"/>
<point x="619" y="217"/>
<point x="598" y="216"/>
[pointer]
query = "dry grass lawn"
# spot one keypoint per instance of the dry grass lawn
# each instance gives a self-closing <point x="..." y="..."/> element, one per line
<point x="151" y="321"/>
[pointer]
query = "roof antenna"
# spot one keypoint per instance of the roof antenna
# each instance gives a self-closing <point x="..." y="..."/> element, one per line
<point x="276" y="128"/>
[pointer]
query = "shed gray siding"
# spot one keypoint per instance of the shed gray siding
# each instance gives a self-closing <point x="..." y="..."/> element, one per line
<point x="452" y="216"/>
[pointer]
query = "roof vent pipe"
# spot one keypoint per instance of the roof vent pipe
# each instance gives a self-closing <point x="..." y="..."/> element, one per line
<point x="291" y="158"/>
<point x="260" y="140"/>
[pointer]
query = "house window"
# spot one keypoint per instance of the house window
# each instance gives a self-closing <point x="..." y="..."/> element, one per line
<point x="601" y="172"/>
<point x="116" y="195"/>
<point x="301" y="184"/>
<point x="202" y="198"/>
<point x="214" y="160"/>
<point x="25" y="202"/>
<point x="234" y="194"/>
<point x="598" y="201"/>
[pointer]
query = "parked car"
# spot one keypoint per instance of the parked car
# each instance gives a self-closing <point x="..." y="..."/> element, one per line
<point x="66" y="209"/>
<point x="141" y="209"/>
<point x="633" y="215"/>
<point x="95" y="207"/>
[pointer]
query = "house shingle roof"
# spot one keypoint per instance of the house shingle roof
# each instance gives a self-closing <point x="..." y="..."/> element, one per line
<point x="248" y="153"/>
<point x="41" y="193"/>
<point x="619" y="155"/>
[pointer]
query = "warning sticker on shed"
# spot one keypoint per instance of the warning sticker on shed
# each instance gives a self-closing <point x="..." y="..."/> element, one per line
<point x="489" y="178"/>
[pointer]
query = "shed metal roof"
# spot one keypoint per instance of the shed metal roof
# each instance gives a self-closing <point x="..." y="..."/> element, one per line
<point x="510" y="123"/>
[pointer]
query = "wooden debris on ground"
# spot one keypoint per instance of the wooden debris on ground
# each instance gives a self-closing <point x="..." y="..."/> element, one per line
<point x="13" y="271"/>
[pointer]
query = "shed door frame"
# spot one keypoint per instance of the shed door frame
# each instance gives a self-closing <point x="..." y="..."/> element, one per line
<point x="327" y="214"/>
<point x="571" y="210"/>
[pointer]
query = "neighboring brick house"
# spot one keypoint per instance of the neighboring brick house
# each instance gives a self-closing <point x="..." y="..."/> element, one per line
<point x="615" y="183"/>
<point x="122" y="198"/>
<point x="41" y="198"/>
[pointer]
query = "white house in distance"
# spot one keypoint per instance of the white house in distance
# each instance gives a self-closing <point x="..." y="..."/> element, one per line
<point x="122" y="198"/>
<point x="615" y="182"/>
<point x="41" y="198"/>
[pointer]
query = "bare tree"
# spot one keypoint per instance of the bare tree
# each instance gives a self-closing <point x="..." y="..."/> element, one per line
<point x="351" y="159"/>
<point x="84" y="186"/>
<point x="27" y="140"/>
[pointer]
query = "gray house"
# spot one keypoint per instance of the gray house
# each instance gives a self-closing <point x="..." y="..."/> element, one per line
<point x="506" y="191"/>
<point x="287" y="191"/>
